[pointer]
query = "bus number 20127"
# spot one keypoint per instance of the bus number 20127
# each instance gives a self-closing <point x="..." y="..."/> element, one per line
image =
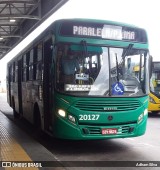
<point x="89" y="117"/>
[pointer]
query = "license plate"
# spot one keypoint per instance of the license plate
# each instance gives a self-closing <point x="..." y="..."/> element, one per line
<point x="109" y="131"/>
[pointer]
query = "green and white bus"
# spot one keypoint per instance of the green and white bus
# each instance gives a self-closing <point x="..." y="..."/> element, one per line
<point x="99" y="97"/>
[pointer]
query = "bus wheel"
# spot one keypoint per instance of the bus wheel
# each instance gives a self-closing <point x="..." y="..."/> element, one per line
<point x="15" y="113"/>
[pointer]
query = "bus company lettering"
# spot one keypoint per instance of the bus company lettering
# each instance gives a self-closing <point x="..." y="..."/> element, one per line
<point x="108" y="31"/>
<point x="110" y="108"/>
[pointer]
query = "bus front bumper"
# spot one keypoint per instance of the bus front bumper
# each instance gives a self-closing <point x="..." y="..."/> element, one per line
<point x="154" y="107"/>
<point x="66" y="130"/>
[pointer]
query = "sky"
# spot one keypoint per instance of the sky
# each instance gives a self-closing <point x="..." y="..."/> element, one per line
<point x="142" y="13"/>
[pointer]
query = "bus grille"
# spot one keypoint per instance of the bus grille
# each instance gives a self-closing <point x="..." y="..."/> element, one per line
<point x="123" y="105"/>
<point x="97" y="130"/>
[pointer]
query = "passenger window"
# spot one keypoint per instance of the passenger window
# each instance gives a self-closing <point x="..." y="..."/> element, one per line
<point x="27" y="66"/>
<point x="39" y="62"/>
<point x="30" y="58"/>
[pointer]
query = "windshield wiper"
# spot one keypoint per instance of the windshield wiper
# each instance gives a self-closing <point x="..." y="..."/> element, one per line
<point x="117" y="67"/>
<point x="126" y="52"/>
<point x="84" y="45"/>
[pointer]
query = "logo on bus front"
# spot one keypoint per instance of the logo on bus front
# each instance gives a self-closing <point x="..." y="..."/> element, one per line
<point x="110" y="108"/>
<point x="117" y="89"/>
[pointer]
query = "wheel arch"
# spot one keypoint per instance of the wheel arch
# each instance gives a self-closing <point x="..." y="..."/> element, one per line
<point x="37" y="116"/>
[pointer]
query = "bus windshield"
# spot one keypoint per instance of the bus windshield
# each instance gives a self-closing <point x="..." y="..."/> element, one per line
<point x="87" y="70"/>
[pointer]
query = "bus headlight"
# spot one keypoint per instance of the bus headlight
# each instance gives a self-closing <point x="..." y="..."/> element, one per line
<point x="61" y="112"/>
<point x="151" y="100"/>
<point x="72" y="118"/>
<point x="140" y="118"/>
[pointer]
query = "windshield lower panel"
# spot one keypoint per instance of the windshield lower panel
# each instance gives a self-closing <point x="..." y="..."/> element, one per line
<point x="84" y="70"/>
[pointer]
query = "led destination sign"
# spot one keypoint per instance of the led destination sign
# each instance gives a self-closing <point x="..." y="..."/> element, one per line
<point x="107" y="32"/>
<point x="104" y="31"/>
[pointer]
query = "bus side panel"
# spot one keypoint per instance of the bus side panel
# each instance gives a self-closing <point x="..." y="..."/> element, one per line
<point x="13" y="86"/>
<point x="31" y="84"/>
<point x="48" y="80"/>
<point x="19" y="74"/>
<point x="30" y="98"/>
<point x="25" y="105"/>
<point x="8" y="84"/>
<point x="15" y="101"/>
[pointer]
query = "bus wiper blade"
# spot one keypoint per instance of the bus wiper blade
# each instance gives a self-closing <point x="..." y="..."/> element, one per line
<point x="117" y="67"/>
<point x="126" y="52"/>
<point x="84" y="45"/>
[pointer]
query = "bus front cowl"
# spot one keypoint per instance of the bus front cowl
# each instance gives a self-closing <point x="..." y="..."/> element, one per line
<point x="85" y="119"/>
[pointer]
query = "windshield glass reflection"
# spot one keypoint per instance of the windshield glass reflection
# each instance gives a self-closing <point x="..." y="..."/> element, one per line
<point x="101" y="71"/>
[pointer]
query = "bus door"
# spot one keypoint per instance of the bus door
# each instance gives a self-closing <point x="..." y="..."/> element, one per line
<point x="20" y="85"/>
<point x="48" y="84"/>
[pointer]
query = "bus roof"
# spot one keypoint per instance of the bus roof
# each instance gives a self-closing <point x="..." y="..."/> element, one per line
<point x="98" y="21"/>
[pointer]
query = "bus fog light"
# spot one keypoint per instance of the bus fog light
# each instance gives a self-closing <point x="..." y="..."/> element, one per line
<point x="140" y="118"/>
<point x="62" y="113"/>
<point x="72" y="118"/>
